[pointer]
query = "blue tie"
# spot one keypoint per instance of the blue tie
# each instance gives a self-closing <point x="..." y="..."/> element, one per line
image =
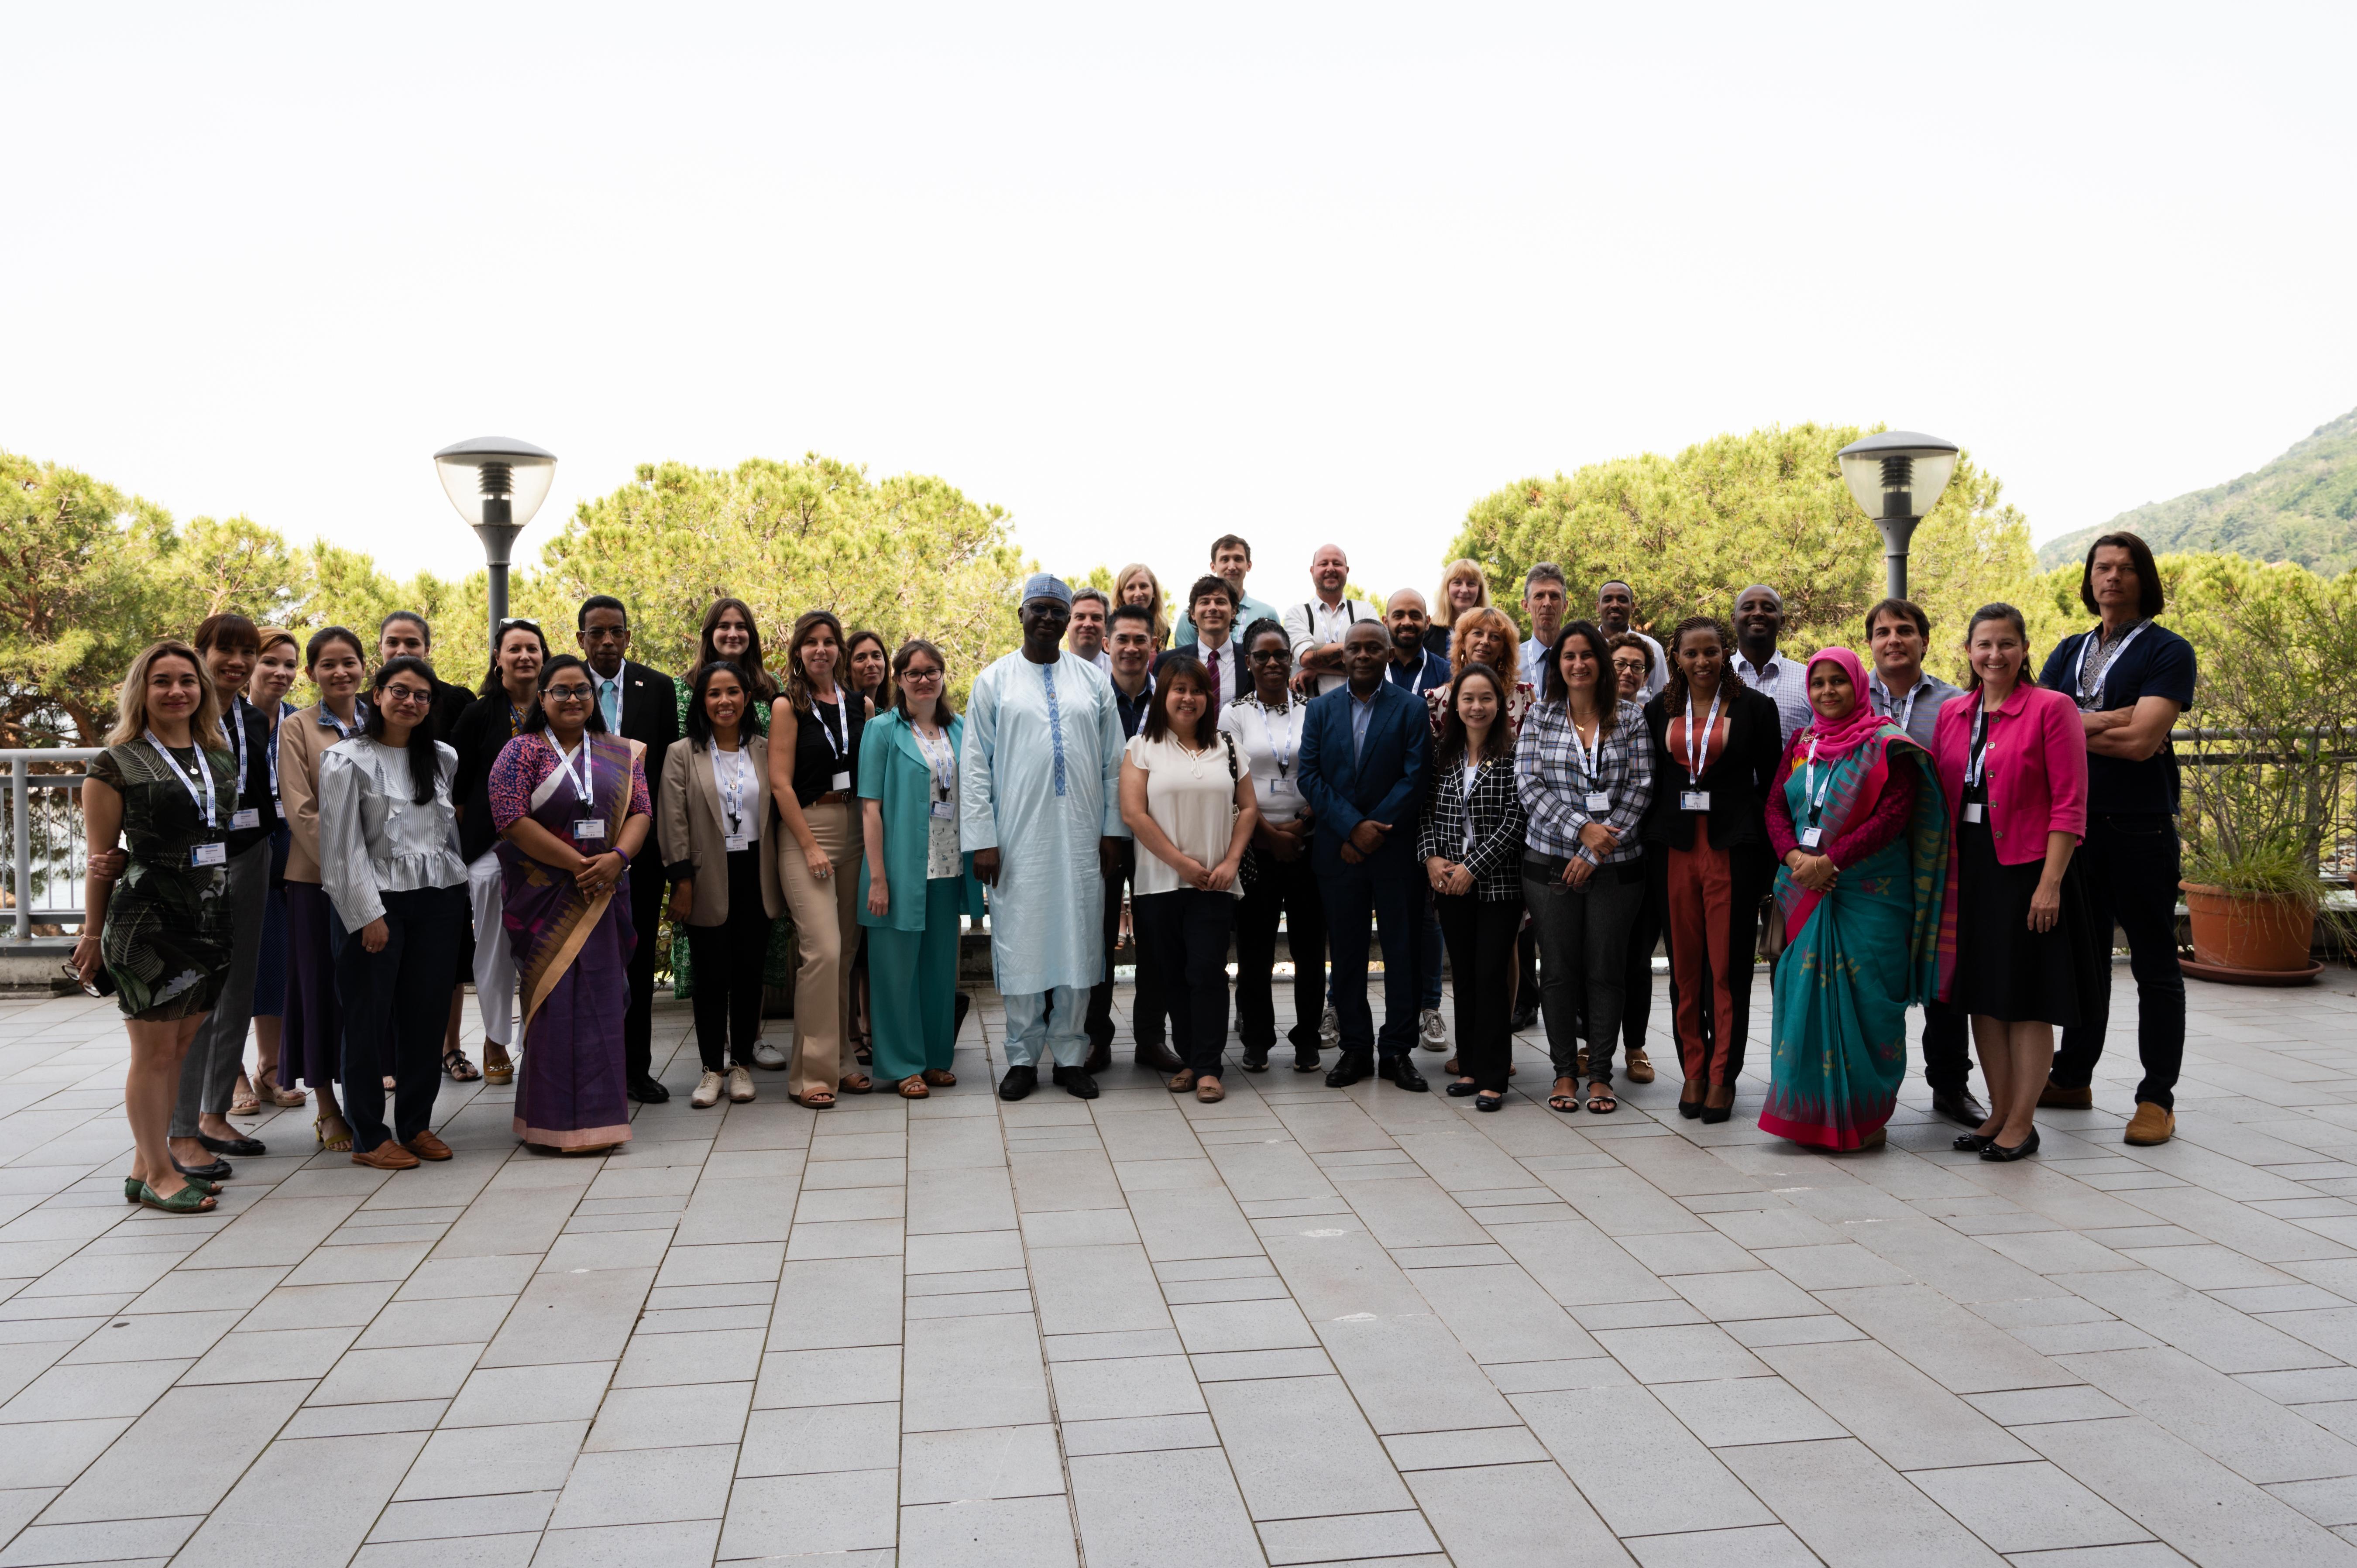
<point x="609" y="702"/>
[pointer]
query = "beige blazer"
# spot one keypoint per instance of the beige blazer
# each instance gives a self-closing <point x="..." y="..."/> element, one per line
<point x="694" y="834"/>
<point x="303" y="737"/>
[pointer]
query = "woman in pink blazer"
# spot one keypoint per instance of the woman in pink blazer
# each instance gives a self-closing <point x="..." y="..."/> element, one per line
<point x="2013" y="761"/>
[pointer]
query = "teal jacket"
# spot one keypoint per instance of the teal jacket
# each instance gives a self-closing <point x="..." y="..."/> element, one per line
<point x="892" y="770"/>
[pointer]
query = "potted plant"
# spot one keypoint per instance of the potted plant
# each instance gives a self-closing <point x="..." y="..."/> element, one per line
<point x="2268" y="819"/>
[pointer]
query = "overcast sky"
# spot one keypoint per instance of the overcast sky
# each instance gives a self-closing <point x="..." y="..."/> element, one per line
<point x="1144" y="275"/>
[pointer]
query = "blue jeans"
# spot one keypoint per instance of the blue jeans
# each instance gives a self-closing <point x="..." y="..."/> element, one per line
<point x="1391" y="893"/>
<point x="1048" y="1023"/>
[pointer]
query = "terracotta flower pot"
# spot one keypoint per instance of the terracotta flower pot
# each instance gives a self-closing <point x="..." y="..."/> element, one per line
<point x="2235" y="930"/>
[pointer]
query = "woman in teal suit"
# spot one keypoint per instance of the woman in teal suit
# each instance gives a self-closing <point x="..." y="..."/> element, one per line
<point x="913" y="882"/>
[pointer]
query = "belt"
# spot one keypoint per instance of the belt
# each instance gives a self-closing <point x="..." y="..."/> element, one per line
<point x="832" y="798"/>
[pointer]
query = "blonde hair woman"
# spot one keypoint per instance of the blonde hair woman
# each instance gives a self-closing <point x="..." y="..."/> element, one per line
<point x="1137" y="585"/>
<point x="1464" y="587"/>
<point x="159" y="939"/>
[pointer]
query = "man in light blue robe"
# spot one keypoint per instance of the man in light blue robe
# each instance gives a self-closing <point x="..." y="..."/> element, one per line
<point x="1039" y="809"/>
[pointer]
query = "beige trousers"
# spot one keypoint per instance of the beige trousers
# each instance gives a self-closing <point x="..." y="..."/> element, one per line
<point x="826" y="931"/>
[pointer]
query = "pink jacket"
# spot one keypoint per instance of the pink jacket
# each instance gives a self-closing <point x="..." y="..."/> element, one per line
<point x="2036" y="768"/>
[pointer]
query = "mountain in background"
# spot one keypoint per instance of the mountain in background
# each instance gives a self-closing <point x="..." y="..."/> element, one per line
<point x="2302" y="507"/>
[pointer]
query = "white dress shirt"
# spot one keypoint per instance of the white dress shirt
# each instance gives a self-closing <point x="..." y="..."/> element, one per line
<point x="1314" y="623"/>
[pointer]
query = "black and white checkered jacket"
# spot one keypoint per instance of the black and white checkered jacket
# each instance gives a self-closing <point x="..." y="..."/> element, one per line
<point x="1496" y="858"/>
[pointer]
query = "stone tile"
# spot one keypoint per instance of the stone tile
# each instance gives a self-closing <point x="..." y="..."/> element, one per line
<point x="1131" y="1512"/>
<point x="980" y="1464"/>
<point x="143" y="1476"/>
<point x="1730" y="1411"/>
<point x="2026" y="1507"/>
<point x="784" y="1516"/>
<point x="831" y="1377"/>
<point x="1483" y="1515"/>
<point x="647" y="1486"/>
<point x="811" y="1440"/>
<point x="682" y="1545"/>
<point x="491" y="1396"/>
<point x="348" y="1481"/>
<point x="1347" y="1537"/>
<point x="1761" y="1546"/>
<point x="973" y="1371"/>
<point x="674" y="1416"/>
<point x="476" y="1461"/>
<point x="1849" y="1506"/>
<point x="1301" y="1449"/>
<point x="1655" y="1477"/>
<point x="984" y="1534"/>
<point x="2187" y="1499"/>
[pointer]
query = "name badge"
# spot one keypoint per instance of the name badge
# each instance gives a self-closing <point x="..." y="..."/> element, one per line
<point x="209" y="855"/>
<point x="1694" y="799"/>
<point x="1284" y="789"/>
<point x="1810" y="837"/>
<point x="739" y="841"/>
<point x="943" y="810"/>
<point x="589" y="828"/>
<point x="1972" y="810"/>
<point x="840" y="780"/>
<point x="1599" y="800"/>
<point x="249" y="817"/>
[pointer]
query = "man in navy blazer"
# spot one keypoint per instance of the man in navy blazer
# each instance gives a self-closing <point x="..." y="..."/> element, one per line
<point x="1364" y="751"/>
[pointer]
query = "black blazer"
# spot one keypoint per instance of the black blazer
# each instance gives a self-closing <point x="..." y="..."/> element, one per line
<point x="650" y="715"/>
<point x="478" y="737"/>
<point x="1738" y="781"/>
<point x="1239" y="681"/>
<point x="451" y="703"/>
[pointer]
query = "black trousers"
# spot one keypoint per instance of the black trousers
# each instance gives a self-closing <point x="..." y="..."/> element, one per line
<point x="647" y="891"/>
<point x="727" y="962"/>
<point x="1187" y="932"/>
<point x="1947" y="1058"/>
<point x="1147" y="1008"/>
<point x="1480" y="937"/>
<point x="1386" y="893"/>
<point x="1637" y="988"/>
<point x="1584" y="932"/>
<point x="1526" y="948"/>
<point x="396" y="1002"/>
<point x="1289" y="888"/>
<point x="2130" y="862"/>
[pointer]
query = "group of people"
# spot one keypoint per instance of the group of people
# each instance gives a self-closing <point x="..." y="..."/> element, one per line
<point x="1544" y="810"/>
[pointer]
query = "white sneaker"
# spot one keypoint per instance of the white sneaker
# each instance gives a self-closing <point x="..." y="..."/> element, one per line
<point x="740" y="1085"/>
<point x="1435" y="1029"/>
<point x="708" y="1091"/>
<point x="1329" y="1028"/>
<point x="768" y="1057"/>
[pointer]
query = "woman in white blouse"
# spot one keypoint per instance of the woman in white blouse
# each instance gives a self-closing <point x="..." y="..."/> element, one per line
<point x="388" y="864"/>
<point x="1266" y="728"/>
<point x="1190" y="806"/>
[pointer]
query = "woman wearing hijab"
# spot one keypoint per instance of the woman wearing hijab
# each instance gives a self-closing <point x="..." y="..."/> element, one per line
<point x="1857" y="814"/>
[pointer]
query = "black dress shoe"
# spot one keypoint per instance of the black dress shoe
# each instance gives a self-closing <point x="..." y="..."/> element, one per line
<point x="1959" y="1106"/>
<point x="1402" y="1071"/>
<point x="1100" y="1056"/>
<point x="1076" y="1082"/>
<point x="216" y="1171"/>
<point x="1999" y="1153"/>
<point x="647" y="1092"/>
<point x="243" y="1148"/>
<point x="1348" y="1069"/>
<point x="1522" y="1019"/>
<point x="1018" y="1082"/>
<point x="1157" y="1057"/>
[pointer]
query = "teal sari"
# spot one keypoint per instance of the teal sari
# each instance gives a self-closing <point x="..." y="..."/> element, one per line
<point x="1858" y="955"/>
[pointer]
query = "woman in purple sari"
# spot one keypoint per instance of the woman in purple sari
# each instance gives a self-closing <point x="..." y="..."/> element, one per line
<point x="570" y="803"/>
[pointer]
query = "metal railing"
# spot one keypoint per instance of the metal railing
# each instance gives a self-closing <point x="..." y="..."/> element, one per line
<point x="48" y="850"/>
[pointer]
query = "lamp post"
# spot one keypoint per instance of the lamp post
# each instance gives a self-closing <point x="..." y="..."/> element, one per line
<point x="497" y="484"/>
<point x="1897" y="476"/>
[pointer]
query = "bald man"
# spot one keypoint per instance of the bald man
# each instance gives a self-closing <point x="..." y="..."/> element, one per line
<point x="1759" y="622"/>
<point x="1317" y="626"/>
<point x="1412" y="664"/>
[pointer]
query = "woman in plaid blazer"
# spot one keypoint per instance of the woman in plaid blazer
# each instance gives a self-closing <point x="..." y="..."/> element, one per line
<point x="1471" y="846"/>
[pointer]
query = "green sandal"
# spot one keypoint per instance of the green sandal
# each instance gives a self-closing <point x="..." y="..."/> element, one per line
<point x="189" y="1199"/>
<point x="132" y="1187"/>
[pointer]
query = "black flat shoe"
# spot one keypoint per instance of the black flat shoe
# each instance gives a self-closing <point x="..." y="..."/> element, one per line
<point x="1999" y="1153"/>
<point x="1487" y="1102"/>
<point x="1018" y="1082"/>
<point x="1460" y="1088"/>
<point x="243" y="1148"/>
<point x="1076" y="1082"/>
<point x="1972" y="1143"/>
<point x="216" y="1171"/>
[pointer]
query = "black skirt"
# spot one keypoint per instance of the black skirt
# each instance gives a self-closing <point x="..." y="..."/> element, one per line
<point x="2004" y="969"/>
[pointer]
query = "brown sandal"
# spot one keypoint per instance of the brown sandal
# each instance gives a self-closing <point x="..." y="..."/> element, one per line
<point x="913" y="1088"/>
<point x="816" y="1100"/>
<point x="856" y="1083"/>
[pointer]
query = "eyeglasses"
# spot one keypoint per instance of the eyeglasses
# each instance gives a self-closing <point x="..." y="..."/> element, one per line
<point x="912" y="677"/>
<point x="567" y="693"/>
<point x="407" y="695"/>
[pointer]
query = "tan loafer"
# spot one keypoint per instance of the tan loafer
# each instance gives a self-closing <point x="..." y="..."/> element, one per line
<point x="2055" y="1096"/>
<point x="1208" y="1090"/>
<point x="386" y="1156"/>
<point x="1182" y="1081"/>
<point x="2150" y="1125"/>
<point x="426" y="1146"/>
<point x="1640" y="1068"/>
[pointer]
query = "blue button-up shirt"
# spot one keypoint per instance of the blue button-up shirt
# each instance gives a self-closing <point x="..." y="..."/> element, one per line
<point x="1362" y="709"/>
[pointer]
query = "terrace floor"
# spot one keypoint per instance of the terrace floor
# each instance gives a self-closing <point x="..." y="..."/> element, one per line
<point x="1304" y="1326"/>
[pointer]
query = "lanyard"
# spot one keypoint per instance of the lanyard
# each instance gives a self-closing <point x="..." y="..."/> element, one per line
<point x="1903" y="711"/>
<point x="1811" y="790"/>
<point x="943" y="762"/>
<point x="232" y="726"/>
<point x="732" y="793"/>
<point x="842" y="711"/>
<point x="1284" y="759"/>
<point x="1415" y="682"/>
<point x="1589" y="755"/>
<point x="1694" y="754"/>
<point x="2095" y="699"/>
<point x="1976" y="764"/>
<point x="284" y="712"/>
<point x="584" y="782"/>
<point x="205" y="803"/>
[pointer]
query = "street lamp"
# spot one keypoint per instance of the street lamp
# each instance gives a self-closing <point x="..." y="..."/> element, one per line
<point x="497" y="484"/>
<point x="1897" y="476"/>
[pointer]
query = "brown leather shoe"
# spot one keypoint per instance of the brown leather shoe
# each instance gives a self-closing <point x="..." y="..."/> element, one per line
<point x="426" y="1146"/>
<point x="386" y="1156"/>
<point x="1640" y="1068"/>
<point x="2151" y="1124"/>
<point x="2055" y="1096"/>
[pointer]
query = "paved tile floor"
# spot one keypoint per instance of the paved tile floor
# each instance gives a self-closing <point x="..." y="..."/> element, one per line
<point x="1301" y="1326"/>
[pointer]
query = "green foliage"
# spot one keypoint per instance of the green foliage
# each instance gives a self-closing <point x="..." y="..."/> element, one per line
<point x="1692" y="531"/>
<point x="2301" y="507"/>
<point x="904" y="557"/>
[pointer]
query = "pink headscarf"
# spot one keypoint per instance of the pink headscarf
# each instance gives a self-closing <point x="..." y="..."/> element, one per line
<point x="1835" y="741"/>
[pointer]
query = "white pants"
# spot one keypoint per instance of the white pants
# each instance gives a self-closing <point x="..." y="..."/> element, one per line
<point x="1048" y="1023"/>
<point x="495" y="967"/>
